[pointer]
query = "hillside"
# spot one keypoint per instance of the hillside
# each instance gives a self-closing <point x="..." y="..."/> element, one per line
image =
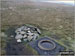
<point x="53" y="19"/>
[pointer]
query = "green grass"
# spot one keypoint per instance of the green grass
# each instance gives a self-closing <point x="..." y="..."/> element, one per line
<point x="3" y="45"/>
<point x="34" y="52"/>
<point x="47" y="32"/>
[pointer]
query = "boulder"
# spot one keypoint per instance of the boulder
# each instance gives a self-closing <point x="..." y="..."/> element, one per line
<point x="18" y="40"/>
<point x="39" y="32"/>
<point x="19" y="36"/>
<point x="29" y="38"/>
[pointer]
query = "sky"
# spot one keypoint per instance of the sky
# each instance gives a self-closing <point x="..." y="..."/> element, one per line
<point x="68" y="2"/>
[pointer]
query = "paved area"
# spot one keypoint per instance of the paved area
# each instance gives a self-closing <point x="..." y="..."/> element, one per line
<point x="48" y="52"/>
<point x="14" y="48"/>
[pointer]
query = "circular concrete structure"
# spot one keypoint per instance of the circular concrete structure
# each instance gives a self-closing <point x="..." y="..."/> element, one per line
<point x="46" y="45"/>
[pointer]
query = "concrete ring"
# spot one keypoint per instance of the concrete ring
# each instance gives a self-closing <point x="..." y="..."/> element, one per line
<point x="43" y="48"/>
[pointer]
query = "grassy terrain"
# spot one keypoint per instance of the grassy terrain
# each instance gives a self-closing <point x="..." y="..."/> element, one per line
<point x="52" y="19"/>
<point x="5" y="38"/>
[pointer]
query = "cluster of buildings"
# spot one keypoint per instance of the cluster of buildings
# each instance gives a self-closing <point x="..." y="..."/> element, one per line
<point x="27" y="33"/>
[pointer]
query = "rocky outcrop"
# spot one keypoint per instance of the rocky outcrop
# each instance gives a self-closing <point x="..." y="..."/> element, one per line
<point x="27" y="33"/>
